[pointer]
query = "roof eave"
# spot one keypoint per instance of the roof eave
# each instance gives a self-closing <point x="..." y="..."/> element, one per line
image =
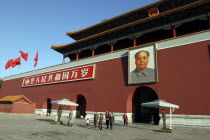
<point x="57" y="47"/>
<point x="109" y="20"/>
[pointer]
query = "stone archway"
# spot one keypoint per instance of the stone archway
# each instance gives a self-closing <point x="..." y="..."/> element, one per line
<point x="81" y="109"/>
<point x="49" y="106"/>
<point x="141" y="114"/>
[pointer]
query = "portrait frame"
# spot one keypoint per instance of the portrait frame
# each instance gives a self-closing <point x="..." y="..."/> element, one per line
<point x="151" y="71"/>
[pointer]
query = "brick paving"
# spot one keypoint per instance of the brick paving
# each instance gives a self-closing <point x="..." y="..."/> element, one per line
<point x="36" y="127"/>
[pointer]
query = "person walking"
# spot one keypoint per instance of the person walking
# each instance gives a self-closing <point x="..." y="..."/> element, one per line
<point x="95" y="119"/>
<point x="164" y="118"/>
<point x="59" y="113"/>
<point x="101" y="117"/>
<point x="111" y="120"/>
<point x="87" y="122"/>
<point x="125" y="118"/>
<point x="151" y="121"/>
<point x="107" y="119"/>
<point x="69" y="118"/>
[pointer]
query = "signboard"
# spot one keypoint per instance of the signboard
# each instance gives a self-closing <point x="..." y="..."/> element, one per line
<point x="75" y="74"/>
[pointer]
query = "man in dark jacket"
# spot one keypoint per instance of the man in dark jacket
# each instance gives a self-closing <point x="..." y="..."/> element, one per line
<point x="95" y="119"/>
<point x="101" y="117"/>
<point x="111" y="120"/>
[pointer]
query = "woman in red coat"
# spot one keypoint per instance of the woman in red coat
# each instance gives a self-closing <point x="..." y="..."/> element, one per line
<point x="107" y="119"/>
<point x="125" y="118"/>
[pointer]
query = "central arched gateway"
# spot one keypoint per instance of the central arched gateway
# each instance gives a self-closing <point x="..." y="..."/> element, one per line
<point x="81" y="109"/>
<point x="141" y="114"/>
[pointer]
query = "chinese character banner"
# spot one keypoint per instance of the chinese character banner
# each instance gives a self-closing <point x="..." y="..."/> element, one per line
<point x="81" y="73"/>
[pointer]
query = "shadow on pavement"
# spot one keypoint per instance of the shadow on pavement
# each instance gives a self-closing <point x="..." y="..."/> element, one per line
<point x="90" y="127"/>
<point x="133" y="126"/>
<point x="46" y="120"/>
<point x="156" y="130"/>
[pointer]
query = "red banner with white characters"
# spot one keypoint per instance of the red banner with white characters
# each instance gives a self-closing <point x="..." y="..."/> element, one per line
<point x="79" y="73"/>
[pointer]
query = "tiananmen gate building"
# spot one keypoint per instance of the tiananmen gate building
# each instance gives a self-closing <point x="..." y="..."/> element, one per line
<point x="169" y="40"/>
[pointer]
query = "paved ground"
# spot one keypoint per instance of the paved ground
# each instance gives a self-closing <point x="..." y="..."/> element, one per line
<point x="35" y="127"/>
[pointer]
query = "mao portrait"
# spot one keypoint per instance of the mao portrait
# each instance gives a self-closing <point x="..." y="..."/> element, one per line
<point x="142" y="65"/>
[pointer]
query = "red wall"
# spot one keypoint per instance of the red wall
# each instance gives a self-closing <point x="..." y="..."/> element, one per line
<point x="5" y="107"/>
<point x="184" y="77"/>
<point x="23" y="108"/>
<point x="18" y="107"/>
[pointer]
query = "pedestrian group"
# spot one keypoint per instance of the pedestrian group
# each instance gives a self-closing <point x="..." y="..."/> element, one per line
<point x="98" y="120"/>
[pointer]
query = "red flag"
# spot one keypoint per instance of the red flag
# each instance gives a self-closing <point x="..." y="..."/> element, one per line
<point x="24" y="55"/>
<point x="9" y="64"/>
<point x="36" y="59"/>
<point x="16" y="62"/>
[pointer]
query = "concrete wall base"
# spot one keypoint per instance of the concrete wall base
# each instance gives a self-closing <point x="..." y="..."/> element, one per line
<point x="182" y="120"/>
<point x="189" y="120"/>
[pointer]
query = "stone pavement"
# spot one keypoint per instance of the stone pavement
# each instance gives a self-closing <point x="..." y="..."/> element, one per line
<point x="36" y="127"/>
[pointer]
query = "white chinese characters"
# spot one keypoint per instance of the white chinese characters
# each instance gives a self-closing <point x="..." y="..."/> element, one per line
<point x="80" y="73"/>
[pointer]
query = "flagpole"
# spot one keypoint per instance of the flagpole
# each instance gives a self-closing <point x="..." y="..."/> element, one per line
<point x="28" y="57"/>
<point x="27" y="64"/>
<point x="36" y="58"/>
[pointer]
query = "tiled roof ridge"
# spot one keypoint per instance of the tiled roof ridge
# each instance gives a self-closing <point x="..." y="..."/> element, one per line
<point x="129" y="24"/>
<point x="108" y="20"/>
<point x="15" y="98"/>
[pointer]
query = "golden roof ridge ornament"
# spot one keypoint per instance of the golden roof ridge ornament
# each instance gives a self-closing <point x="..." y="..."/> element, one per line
<point x="153" y="12"/>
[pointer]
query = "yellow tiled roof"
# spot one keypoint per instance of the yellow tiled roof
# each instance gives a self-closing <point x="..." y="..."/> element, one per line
<point x="14" y="98"/>
<point x="11" y="98"/>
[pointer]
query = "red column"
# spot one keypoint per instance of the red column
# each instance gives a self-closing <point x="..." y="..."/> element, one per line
<point x="209" y="20"/>
<point x="93" y="52"/>
<point x="63" y="60"/>
<point x="134" y="42"/>
<point x="112" y="47"/>
<point x="77" y="56"/>
<point x="174" y="32"/>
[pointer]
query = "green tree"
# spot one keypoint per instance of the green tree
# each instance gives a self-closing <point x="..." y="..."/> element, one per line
<point x="1" y="80"/>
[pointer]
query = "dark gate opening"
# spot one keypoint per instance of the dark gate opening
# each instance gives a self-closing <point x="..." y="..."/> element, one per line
<point x="49" y="106"/>
<point x="81" y="109"/>
<point x="143" y="114"/>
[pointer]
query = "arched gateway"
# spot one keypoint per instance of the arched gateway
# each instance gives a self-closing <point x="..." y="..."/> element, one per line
<point x="49" y="106"/>
<point x="81" y="109"/>
<point x="141" y="114"/>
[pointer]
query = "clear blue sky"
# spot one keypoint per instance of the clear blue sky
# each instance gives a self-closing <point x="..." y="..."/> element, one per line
<point x="31" y="25"/>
